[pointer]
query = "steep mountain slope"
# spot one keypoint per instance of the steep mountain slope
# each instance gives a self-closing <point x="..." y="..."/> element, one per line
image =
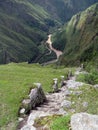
<point x="64" y="9"/>
<point x="24" y="24"/>
<point x="22" y="28"/>
<point x="80" y="37"/>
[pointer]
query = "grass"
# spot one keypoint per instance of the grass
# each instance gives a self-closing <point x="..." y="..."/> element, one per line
<point x="91" y="77"/>
<point x="54" y="122"/>
<point x="61" y="123"/>
<point x="15" y="83"/>
<point x="89" y="95"/>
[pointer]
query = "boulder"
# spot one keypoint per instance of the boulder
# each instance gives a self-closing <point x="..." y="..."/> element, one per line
<point x="96" y="86"/>
<point x="66" y="104"/>
<point x="84" y="121"/>
<point x="28" y="127"/>
<point x="68" y="93"/>
<point x="37" y="97"/>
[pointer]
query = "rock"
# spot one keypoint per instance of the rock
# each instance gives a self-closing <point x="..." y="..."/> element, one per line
<point x="20" y="119"/>
<point x="84" y="121"/>
<point x="77" y="93"/>
<point x="96" y="86"/>
<point x="22" y="111"/>
<point x="85" y="104"/>
<point x="63" y="81"/>
<point x="74" y="84"/>
<point x="55" y="85"/>
<point x="67" y="93"/>
<point x="37" y="97"/>
<point x="28" y="127"/>
<point x="66" y="104"/>
<point x="72" y="110"/>
<point x="62" y="112"/>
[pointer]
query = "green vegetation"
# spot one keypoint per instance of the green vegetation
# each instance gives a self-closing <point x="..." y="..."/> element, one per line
<point x="24" y="26"/>
<point x="15" y="82"/>
<point x="80" y="37"/>
<point x="47" y="120"/>
<point x="54" y="122"/>
<point x="61" y="123"/>
<point x="88" y="97"/>
<point x="90" y="78"/>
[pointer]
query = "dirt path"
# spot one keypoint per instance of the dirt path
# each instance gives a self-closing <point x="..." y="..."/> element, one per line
<point x="57" y="52"/>
<point x="53" y="105"/>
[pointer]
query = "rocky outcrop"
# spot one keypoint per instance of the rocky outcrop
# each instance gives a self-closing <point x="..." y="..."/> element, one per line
<point x="37" y="97"/>
<point x="84" y="121"/>
<point x="66" y="104"/>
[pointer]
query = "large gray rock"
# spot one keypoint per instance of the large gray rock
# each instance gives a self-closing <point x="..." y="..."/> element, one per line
<point x="28" y="127"/>
<point x="66" y="104"/>
<point x="37" y="97"/>
<point x="96" y="86"/>
<point x="84" y="121"/>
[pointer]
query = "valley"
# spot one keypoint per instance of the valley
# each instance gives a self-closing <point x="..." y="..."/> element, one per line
<point x="48" y="42"/>
<point x="24" y="26"/>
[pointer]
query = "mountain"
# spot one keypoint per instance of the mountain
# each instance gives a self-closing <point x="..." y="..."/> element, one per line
<point x="22" y="28"/>
<point x="80" y="38"/>
<point x="63" y="10"/>
<point x="24" y="25"/>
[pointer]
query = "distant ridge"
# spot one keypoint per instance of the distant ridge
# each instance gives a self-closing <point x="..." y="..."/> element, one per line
<point x="24" y="25"/>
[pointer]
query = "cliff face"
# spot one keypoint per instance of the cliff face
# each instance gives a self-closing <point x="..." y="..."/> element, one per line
<point x="81" y="38"/>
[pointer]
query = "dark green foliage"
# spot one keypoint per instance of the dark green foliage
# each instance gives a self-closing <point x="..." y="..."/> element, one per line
<point x="63" y="10"/>
<point x="81" y="38"/>
<point x="25" y="24"/>
<point x="23" y="27"/>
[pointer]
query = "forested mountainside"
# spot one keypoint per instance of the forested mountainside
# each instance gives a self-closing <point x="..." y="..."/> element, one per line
<point x="80" y="38"/>
<point x="64" y="9"/>
<point x="24" y="24"/>
<point x="22" y="28"/>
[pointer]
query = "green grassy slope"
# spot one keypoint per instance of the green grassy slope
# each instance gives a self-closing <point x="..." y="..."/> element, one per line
<point x="80" y="37"/>
<point x="15" y="83"/>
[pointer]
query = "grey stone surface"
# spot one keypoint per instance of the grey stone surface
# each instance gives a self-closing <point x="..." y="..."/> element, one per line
<point x="85" y="104"/>
<point x="66" y="104"/>
<point x="37" y="97"/>
<point x="22" y="111"/>
<point x="67" y="92"/>
<point x="96" y="86"/>
<point x="20" y="119"/>
<point x="55" y="85"/>
<point x="28" y="127"/>
<point x="77" y="93"/>
<point x="84" y="121"/>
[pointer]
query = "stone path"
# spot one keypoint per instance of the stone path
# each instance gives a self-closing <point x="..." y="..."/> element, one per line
<point x="53" y="104"/>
